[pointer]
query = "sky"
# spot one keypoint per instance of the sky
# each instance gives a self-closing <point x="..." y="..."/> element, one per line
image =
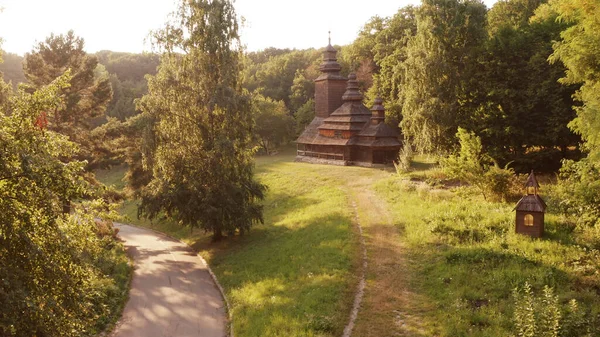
<point x="123" y="25"/>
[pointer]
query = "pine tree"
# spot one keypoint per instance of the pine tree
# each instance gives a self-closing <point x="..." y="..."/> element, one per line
<point x="199" y="120"/>
<point x="86" y="97"/>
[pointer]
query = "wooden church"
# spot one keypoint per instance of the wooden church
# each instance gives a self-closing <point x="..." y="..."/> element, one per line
<point x="344" y="131"/>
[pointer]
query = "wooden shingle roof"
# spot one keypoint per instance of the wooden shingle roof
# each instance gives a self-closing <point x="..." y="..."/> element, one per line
<point x="531" y="203"/>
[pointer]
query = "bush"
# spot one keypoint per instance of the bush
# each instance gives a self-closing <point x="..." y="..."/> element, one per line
<point x="471" y="165"/>
<point x="544" y="316"/>
<point x="61" y="274"/>
<point x="535" y="317"/>
<point x="405" y="157"/>
<point x="577" y="192"/>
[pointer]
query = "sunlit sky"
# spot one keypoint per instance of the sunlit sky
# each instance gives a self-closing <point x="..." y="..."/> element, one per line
<point x="123" y="25"/>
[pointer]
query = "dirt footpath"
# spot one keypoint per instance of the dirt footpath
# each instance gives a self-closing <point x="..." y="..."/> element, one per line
<point x="172" y="293"/>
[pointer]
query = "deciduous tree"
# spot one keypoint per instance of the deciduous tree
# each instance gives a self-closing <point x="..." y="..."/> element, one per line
<point x="578" y="51"/>
<point x="199" y="123"/>
<point x="56" y="268"/>
<point x="440" y="71"/>
<point x="523" y="111"/>
<point x="273" y="123"/>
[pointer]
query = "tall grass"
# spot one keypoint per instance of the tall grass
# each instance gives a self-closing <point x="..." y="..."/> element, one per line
<point x="466" y="259"/>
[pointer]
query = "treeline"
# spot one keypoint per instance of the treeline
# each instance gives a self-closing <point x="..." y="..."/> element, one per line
<point x="126" y="72"/>
<point x="439" y="66"/>
<point x="450" y="64"/>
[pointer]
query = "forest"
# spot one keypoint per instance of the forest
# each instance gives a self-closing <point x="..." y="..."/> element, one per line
<point x="488" y="93"/>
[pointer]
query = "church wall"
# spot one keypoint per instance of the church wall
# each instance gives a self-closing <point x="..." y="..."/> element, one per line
<point x="328" y="96"/>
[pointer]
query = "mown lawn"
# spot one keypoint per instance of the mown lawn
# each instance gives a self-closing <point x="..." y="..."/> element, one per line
<point x="292" y="276"/>
<point x="441" y="262"/>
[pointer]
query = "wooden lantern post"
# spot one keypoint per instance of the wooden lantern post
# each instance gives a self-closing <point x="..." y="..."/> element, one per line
<point x="530" y="210"/>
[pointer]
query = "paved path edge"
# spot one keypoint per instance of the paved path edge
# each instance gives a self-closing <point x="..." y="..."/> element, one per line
<point x="212" y="275"/>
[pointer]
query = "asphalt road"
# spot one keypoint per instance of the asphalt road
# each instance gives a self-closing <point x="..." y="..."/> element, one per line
<point x="172" y="293"/>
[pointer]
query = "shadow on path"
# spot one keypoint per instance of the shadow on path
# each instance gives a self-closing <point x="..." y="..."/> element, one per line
<point x="172" y="292"/>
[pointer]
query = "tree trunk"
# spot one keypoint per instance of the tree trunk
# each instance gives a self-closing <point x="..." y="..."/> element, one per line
<point x="217" y="234"/>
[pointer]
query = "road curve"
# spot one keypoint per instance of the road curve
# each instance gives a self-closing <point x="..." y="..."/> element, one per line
<point x="172" y="293"/>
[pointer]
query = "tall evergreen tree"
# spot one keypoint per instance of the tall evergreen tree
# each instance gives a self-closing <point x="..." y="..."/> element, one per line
<point x="86" y="97"/>
<point x="198" y="134"/>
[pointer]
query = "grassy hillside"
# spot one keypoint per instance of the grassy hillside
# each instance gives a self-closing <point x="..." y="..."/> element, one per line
<point x="440" y="262"/>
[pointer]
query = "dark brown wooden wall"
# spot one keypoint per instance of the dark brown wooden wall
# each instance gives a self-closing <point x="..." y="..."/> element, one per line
<point x="328" y="96"/>
<point x="537" y="230"/>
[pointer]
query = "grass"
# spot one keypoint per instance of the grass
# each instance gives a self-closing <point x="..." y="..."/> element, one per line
<point x="118" y="268"/>
<point x="441" y="262"/>
<point x="292" y="276"/>
<point x="465" y="260"/>
<point x="113" y="176"/>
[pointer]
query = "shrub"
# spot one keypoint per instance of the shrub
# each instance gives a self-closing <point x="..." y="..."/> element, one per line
<point x="471" y="165"/>
<point x="536" y="317"/>
<point x="405" y="157"/>
<point x="544" y="316"/>
<point x="577" y="192"/>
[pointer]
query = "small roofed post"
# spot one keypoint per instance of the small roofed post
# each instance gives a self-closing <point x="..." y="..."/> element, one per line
<point x="530" y="210"/>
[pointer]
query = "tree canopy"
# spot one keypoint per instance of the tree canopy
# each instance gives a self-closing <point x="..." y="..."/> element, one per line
<point x="578" y="51"/>
<point x="57" y="269"/>
<point x="196" y="143"/>
<point x="274" y="125"/>
<point x="86" y="97"/>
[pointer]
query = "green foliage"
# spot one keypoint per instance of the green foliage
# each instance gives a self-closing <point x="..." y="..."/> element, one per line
<point x="282" y="75"/>
<point x="578" y="51"/>
<point x="86" y="97"/>
<point x="444" y="65"/>
<point x="523" y="112"/>
<point x="577" y="192"/>
<point x="536" y="317"/>
<point x="127" y="77"/>
<point x="511" y="14"/>
<point x="576" y="322"/>
<point x="198" y="125"/>
<point x="440" y="72"/>
<point x="383" y="41"/>
<point x="304" y="115"/>
<point x="544" y="316"/>
<point x="303" y="88"/>
<point x="61" y="274"/>
<point x="129" y="67"/>
<point x="474" y="167"/>
<point x="274" y="126"/>
<point x="405" y="157"/>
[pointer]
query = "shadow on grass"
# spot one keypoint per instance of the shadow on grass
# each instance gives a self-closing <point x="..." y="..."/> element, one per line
<point x="288" y="278"/>
<point x="559" y="232"/>
<point x="478" y="283"/>
<point x="422" y="165"/>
